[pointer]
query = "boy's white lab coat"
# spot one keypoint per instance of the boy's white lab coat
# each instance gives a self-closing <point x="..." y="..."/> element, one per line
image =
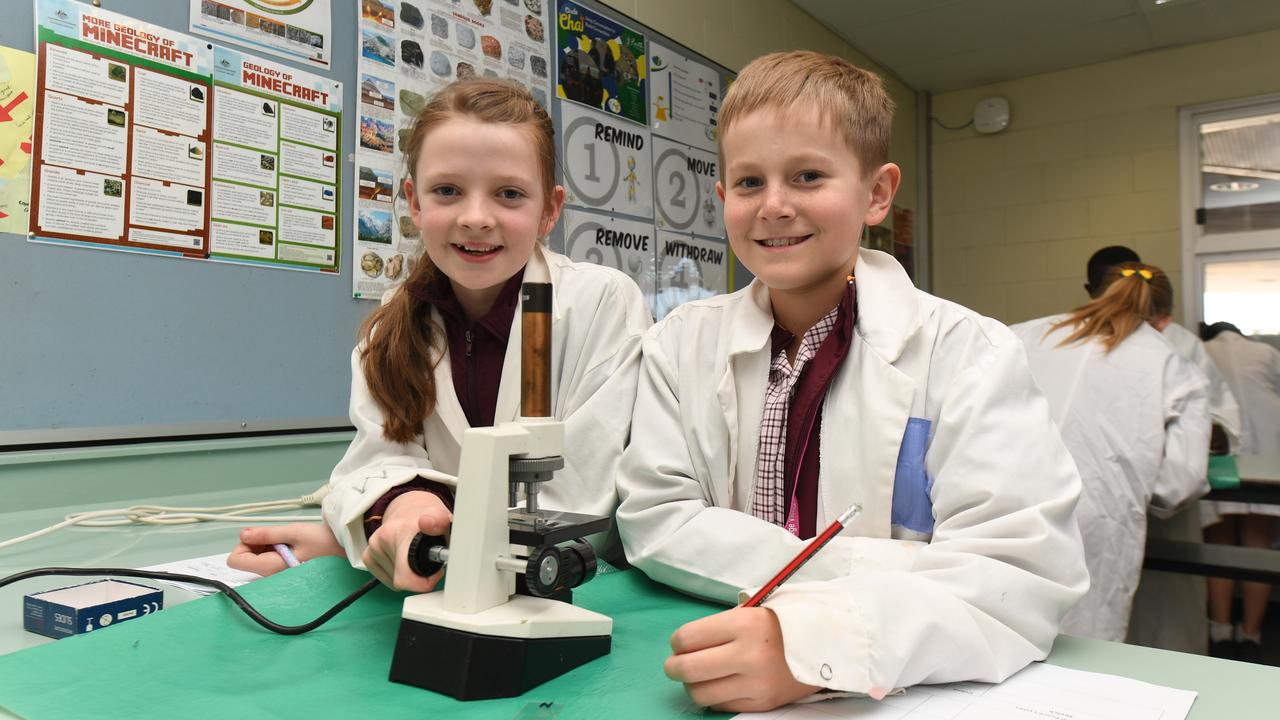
<point x="1169" y="608"/>
<point x="1223" y="408"/>
<point x="1252" y="370"/>
<point x="959" y="569"/>
<point x="1136" y="421"/>
<point x="598" y="319"/>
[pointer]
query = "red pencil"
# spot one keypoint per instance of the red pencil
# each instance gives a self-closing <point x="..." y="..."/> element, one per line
<point x="799" y="560"/>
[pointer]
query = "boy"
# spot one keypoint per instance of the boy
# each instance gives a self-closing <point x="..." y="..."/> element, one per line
<point x="764" y="414"/>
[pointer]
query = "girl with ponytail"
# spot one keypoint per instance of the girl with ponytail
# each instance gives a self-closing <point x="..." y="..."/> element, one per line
<point x="434" y="358"/>
<point x="1134" y="416"/>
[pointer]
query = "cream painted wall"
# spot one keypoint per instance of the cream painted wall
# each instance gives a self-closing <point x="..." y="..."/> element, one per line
<point x="732" y="32"/>
<point x="1090" y="159"/>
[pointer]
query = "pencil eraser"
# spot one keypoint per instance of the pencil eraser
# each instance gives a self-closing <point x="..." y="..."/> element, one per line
<point x="87" y="607"/>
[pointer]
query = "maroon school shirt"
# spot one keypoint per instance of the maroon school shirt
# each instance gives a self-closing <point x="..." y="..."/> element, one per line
<point x="476" y="353"/>
<point x="804" y="416"/>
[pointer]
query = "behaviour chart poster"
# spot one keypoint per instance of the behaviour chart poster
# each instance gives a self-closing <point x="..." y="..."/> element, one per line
<point x="408" y="50"/>
<point x="638" y="142"/>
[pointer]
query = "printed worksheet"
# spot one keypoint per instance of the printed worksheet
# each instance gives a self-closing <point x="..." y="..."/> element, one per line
<point x="1039" y="691"/>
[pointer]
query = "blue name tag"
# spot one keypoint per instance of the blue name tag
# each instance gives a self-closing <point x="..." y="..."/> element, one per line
<point x="912" y="508"/>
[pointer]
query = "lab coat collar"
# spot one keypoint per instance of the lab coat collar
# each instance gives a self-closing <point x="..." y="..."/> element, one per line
<point x="888" y="309"/>
<point x="888" y="306"/>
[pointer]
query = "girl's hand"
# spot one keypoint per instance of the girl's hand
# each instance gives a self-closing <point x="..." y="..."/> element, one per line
<point x="387" y="556"/>
<point x="255" y="553"/>
<point x="733" y="662"/>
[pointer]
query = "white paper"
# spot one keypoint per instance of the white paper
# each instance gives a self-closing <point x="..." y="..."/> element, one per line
<point x="684" y="96"/>
<point x="685" y="180"/>
<point x="212" y="567"/>
<point x="623" y="244"/>
<point x="1039" y="691"/>
<point x="607" y="162"/>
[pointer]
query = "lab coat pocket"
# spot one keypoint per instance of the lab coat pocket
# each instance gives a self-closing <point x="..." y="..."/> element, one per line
<point x="912" y="508"/>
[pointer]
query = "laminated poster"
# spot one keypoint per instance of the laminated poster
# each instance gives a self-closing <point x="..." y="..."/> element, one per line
<point x="276" y="173"/>
<point x="121" y="134"/>
<point x="298" y="30"/>
<point x="17" y="108"/>
<point x="407" y="50"/>
<point x="626" y="245"/>
<point x="601" y="63"/>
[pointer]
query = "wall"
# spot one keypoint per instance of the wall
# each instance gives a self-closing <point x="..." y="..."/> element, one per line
<point x="1091" y="159"/>
<point x="732" y="33"/>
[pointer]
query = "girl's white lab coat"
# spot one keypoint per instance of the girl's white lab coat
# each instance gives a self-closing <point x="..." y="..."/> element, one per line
<point x="598" y="319"/>
<point x="966" y="553"/>
<point x="1136" y="421"/>
<point x="1252" y="370"/>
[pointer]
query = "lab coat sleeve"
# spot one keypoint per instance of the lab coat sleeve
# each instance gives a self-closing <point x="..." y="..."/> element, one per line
<point x="371" y="466"/>
<point x="668" y="520"/>
<point x="598" y="397"/>
<point x="1184" y="469"/>
<point x="986" y="594"/>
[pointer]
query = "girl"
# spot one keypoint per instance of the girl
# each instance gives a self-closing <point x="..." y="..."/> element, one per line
<point x="1134" y="416"/>
<point x="435" y="359"/>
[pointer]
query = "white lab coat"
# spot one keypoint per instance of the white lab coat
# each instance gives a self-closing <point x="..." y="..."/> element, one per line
<point x="1169" y="608"/>
<point x="975" y="591"/>
<point x="598" y="319"/>
<point x="1252" y="370"/>
<point x="1136" y="420"/>
<point x="1223" y="407"/>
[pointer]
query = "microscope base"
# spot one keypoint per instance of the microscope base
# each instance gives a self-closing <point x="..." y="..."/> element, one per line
<point x="471" y="666"/>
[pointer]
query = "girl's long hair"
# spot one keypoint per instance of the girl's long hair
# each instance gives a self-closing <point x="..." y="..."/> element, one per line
<point x="1134" y="293"/>
<point x="400" y="344"/>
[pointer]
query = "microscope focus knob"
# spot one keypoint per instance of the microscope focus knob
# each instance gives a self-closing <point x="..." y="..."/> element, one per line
<point x="542" y="574"/>
<point x="421" y="559"/>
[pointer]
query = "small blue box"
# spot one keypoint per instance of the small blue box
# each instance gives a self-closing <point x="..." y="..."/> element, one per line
<point x="87" y="607"/>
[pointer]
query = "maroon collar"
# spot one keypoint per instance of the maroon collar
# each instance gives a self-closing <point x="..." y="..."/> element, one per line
<point x="438" y="292"/>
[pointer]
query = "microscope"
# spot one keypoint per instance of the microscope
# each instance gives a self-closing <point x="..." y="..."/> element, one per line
<point x="497" y="629"/>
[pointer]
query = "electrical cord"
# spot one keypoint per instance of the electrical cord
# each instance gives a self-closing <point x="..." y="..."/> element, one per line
<point x="948" y="127"/>
<point x="165" y="515"/>
<point x="229" y="591"/>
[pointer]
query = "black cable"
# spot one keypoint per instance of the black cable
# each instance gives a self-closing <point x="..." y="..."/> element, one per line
<point x="195" y="580"/>
<point x="948" y="127"/>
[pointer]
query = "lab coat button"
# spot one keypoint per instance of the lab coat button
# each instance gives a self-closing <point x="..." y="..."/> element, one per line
<point x="825" y="671"/>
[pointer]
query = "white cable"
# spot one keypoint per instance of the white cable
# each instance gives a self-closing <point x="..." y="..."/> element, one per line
<point x="243" y="513"/>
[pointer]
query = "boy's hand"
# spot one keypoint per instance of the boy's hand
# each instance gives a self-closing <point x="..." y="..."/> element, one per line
<point x="733" y="662"/>
<point x="308" y="540"/>
<point x="387" y="556"/>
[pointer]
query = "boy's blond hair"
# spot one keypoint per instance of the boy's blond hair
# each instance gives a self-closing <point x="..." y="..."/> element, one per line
<point x="851" y="98"/>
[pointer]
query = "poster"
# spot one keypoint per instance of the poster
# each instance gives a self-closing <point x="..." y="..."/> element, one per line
<point x="626" y="245"/>
<point x="689" y="268"/>
<point x="120" y="148"/>
<point x="684" y="97"/>
<point x="299" y="30"/>
<point x="276" y="175"/>
<point x="685" y="183"/>
<point x="607" y="162"/>
<point x="407" y="50"/>
<point x="600" y="63"/>
<point x="17" y="108"/>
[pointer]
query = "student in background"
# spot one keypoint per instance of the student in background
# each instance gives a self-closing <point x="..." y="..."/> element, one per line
<point x="1168" y="607"/>
<point x="442" y="352"/>
<point x="831" y="380"/>
<point x="1135" y="417"/>
<point x="1252" y="369"/>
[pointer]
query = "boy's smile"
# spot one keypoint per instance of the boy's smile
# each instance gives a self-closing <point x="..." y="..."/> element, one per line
<point x="795" y="200"/>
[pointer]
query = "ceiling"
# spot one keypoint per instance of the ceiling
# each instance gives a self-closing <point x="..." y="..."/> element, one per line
<point x="944" y="45"/>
